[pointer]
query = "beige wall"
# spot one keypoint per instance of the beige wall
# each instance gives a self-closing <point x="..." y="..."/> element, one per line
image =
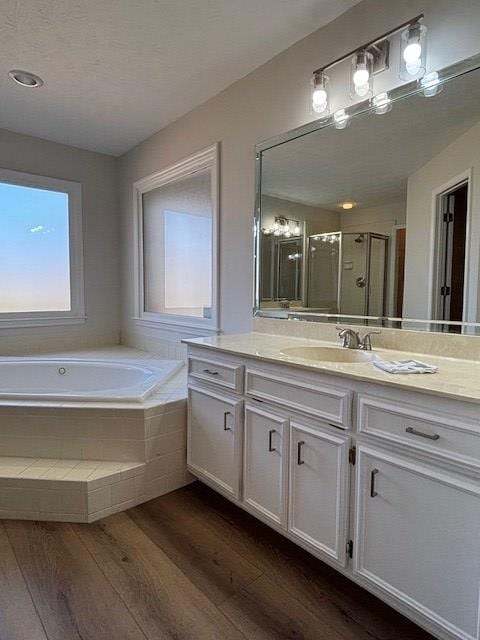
<point x="271" y="100"/>
<point x="459" y="157"/>
<point x="97" y="174"/>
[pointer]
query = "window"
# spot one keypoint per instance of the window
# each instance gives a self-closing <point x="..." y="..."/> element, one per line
<point x="41" y="278"/>
<point x="176" y="213"/>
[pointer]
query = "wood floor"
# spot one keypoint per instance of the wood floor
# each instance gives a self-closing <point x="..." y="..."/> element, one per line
<point x="186" y="566"/>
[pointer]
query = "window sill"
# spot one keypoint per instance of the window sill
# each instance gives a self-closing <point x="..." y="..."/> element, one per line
<point x="176" y="326"/>
<point x="20" y="322"/>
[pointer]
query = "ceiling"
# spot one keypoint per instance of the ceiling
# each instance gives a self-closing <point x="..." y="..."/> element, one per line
<point x="370" y="161"/>
<point x="116" y="71"/>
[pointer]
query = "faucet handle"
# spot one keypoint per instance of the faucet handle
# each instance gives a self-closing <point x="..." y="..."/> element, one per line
<point x="366" y="341"/>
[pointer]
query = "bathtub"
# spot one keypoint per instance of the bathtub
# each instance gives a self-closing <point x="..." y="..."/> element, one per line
<point x="81" y="379"/>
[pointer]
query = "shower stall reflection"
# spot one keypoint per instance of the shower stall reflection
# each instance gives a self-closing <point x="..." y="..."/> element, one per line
<point x="347" y="273"/>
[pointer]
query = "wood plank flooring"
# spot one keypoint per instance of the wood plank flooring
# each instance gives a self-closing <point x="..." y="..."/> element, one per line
<point x="186" y="566"/>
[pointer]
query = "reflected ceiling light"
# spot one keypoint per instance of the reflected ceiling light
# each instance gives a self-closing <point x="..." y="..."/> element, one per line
<point x="347" y="205"/>
<point x="25" y="78"/>
<point x="340" y="118"/>
<point x="413" y="51"/>
<point x="382" y="103"/>
<point x="320" y="102"/>
<point x="431" y="84"/>
<point x="361" y="79"/>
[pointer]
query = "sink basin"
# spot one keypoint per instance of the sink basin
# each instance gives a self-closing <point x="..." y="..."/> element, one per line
<point x="329" y="354"/>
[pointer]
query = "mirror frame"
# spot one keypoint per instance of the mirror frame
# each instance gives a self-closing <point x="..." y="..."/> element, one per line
<point x="464" y="67"/>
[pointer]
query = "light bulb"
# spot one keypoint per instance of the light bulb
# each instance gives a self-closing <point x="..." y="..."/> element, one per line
<point x="431" y="84"/>
<point x="287" y="234"/>
<point x="382" y="103"/>
<point x="413" y="56"/>
<point x="320" y="94"/>
<point x="347" y="205"/>
<point x="361" y="76"/>
<point x="296" y="230"/>
<point x="341" y="119"/>
<point x="277" y="232"/>
<point x="414" y="66"/>
<point x="319" y="98"/>
<point x="412" y="52"/>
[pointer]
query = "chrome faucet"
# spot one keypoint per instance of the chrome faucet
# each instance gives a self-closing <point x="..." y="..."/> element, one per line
<point x="351" y="339"/>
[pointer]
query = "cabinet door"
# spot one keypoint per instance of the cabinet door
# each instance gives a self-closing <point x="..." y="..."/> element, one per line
<point x="318" y="490"/>
<point x="417" y="539"/>
<point x="265" y="468"/>
<point x="215" y="439"/>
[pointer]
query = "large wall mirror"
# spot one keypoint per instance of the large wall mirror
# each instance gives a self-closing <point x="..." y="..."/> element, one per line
<point x="378" y="222"/>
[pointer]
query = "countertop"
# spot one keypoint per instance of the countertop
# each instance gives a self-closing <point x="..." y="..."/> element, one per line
<point x="455" y="378"/>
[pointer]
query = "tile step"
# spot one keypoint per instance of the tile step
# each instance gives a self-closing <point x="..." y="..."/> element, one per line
<point x="86" y="474"/>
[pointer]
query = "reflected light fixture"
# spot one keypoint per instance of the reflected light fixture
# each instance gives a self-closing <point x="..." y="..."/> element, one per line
<point x="413" y="51"/>
<point x="25" y="78"/>
<point x="340" y="118"/>
<point x="320" y="101"/>
<point x="382" y="103"/>
<point x="431" y="84"/>
<point x="347" y="205"/>
<point x="283" y="227"/>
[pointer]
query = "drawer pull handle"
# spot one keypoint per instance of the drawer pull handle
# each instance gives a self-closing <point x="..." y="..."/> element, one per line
<point x="270" y="438"/>
<point x="210" y="372"/>
<point x="299" y="452"/>
<point x="373" y="493"/>
<point x="414" y="432"/>
<point x="225" y="418"/>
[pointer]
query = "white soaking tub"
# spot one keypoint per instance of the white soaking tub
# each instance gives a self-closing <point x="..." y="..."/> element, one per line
<point x="44" y="378"/>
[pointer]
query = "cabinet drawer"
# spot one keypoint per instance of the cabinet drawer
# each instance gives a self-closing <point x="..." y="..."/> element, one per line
<point x="427" y="432"/>
<point x="221" y="374"/>
<point x="332" y="404"/>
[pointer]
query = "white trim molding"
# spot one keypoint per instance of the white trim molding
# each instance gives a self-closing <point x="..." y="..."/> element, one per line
<point x="76" y="314"/>
<point x="207" y="159"/>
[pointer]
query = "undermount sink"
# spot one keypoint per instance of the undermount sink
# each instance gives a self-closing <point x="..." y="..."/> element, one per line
<point x="329" y="354"/>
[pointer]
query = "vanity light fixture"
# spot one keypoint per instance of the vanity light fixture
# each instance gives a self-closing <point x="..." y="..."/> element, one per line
<point x="361" y="79"/>
<point x="320" y="101"/>
<point x="382" y="103"/>
<point x="371" y="59"/>
<point x="413" y="51"/>
<point x="283" y="227"/>
<point x="340" y="119"/>
<point x="25" y="78"/>
<point x="431" y="84"/>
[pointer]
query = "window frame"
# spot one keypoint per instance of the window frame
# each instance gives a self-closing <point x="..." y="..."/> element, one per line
<point x="76" y="314"/>
<point x="207" y="159"/>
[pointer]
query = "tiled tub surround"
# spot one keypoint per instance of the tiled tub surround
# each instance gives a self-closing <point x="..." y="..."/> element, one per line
<point x="80" y="461"/>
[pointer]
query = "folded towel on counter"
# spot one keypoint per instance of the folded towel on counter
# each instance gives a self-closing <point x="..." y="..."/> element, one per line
<point x="404" y="366"/>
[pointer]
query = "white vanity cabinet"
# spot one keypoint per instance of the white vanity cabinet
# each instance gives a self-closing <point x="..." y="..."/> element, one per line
<point x="265" y="463"/>
<point x="416" y="538"/>
<point x="214" y="438"/>
<point x="318" y="490"/>
<point x="379" y="482"/>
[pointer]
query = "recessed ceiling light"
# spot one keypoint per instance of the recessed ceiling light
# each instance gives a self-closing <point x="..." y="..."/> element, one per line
<point x="347" y="205"/>
<point x="25" y="78"/>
